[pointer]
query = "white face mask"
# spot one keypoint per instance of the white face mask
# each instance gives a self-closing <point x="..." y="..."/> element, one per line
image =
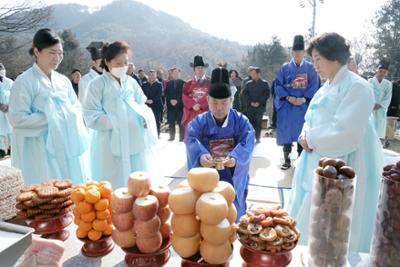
<point x="119" y="72"/>
<point x="3" y="73"/>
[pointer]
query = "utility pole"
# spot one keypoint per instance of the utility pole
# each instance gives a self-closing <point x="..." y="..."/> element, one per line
<point x="313" y="4"/>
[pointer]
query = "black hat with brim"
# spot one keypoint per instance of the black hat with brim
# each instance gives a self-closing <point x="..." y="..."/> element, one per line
<point x="220" y="87"/>
<point x="198" y="62"/>
<point x="298" y="43"/>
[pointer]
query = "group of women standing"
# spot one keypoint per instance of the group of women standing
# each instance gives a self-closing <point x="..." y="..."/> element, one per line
<point x="50" y="126"/>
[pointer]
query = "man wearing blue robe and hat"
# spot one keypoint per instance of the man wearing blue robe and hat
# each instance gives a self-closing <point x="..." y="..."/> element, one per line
<point x="295" y="85"/>
<point x="225" y="135"/>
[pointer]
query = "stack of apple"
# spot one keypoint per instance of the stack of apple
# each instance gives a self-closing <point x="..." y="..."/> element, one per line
<point x="203" y="216"/>
<point x="139" y="214"/>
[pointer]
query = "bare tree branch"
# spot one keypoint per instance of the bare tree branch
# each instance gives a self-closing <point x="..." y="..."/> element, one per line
<point x="23" y="16"/>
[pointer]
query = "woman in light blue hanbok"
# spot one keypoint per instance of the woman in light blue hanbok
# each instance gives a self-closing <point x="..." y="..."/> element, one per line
<point x="5" y="127"/>
<point x="49" y="137"/>
<point x="124" y="127"/>
<point x="338" y="124"/>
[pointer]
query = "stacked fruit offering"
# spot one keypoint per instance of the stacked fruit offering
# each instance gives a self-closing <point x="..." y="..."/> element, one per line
<point x="92" y="210"/>
<point x="140" y="213"/>
<point x="203" y="216"/>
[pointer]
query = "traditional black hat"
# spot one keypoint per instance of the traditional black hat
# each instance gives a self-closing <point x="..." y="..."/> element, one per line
<point x="219" y="87"/>
<point x="298" y="43"/>
<point x="94" y="49"/>
<point x="384" y="64"/>
<point x="198" y="62"/>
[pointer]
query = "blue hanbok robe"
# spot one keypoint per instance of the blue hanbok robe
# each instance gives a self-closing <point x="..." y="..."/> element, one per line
<point x="235" y="139"/>
<point x="124" y="129"/>
<point x="49" y="137"/>
<point x="297" y="81"/>
<point x="5" y="127"/>
<point x="383" y="95"/>
<point x="84" y="84"/>
<point x="338" y="124"/>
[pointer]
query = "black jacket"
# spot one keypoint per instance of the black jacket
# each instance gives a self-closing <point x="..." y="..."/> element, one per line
<point x="256" y="91"/>
<point x="174" y="91"/>
<point x="154" y="92"/>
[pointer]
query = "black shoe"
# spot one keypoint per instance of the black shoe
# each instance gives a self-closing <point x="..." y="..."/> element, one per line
<point x="2" y="153"/>
<point x="171" y="139"/>
<point x="258" y="141"/>
<point x="285" y="166"/>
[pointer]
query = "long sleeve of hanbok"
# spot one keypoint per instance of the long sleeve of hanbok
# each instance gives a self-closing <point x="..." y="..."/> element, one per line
<point x="194" y="147"/>
<point x="20" y="113"/>
<point x="344" y="133"/>
<point x="280" y="90"/>
<point x="386" y="97"/>
<point x="94" y="114"/>
<point x="244" y="148"/>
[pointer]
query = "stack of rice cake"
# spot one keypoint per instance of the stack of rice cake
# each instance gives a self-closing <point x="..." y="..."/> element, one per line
<point x="10" y="183"/>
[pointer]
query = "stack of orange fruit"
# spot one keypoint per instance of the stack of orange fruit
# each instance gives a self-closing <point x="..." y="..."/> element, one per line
<point x="92" y="210"/>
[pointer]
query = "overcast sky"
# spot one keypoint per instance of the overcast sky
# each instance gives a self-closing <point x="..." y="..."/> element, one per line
<point x="256" y="21"/>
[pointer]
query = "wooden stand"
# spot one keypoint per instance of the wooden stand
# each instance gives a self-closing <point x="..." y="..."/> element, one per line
<point x="197" y="261"/>
<point x="257" y="258"/>
<point x="97" y="248"/>
<point x="52" y="228"/>
<point x="135" y="258"/>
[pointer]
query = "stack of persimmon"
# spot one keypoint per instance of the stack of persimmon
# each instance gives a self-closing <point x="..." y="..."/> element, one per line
<point x="92" y="210"/>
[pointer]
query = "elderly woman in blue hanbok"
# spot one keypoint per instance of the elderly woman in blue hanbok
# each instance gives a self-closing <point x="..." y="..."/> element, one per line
<point x="124" y="127"/>
<point x="49" y="137"/>
<point x="338" y="124"/>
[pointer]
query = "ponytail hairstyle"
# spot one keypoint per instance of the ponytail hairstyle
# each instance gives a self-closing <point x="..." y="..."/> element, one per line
<point x="111" y="51"/>
<point x="44" y="38"/>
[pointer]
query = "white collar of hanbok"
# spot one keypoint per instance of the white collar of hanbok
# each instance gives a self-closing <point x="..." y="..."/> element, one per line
<point x="202" y="78"/>
<point x="338" y="75"/>
<point x="38" y="69"/>
<point x="225" y="124"/>
<point x="122" y="80"/>
<point x="294" y="63"/>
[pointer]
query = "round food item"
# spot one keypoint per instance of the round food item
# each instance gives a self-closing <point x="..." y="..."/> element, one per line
<point x="320" y="171"/>
<point x="103" y="214"/>
<point x="92" y="196"/>
<point x="268" y="234"/>
<point x="330" y="172"/>
<point x="123" y="221"/>
<point x="267" y="222"/>
<point x="88" y="217"/>
<point x="121" y="200"/>
<point x="216" y="234"/>
<point x="139" y="184"/>
<point x="232" y="213"/>
<point x="340" y="163"/>
<point x="84" y="207"/>
<point x="321" y="160"/>
<point x="182" y="201"/>
<point x="203" y="179"/>
<point x="215" y="254"/>
<point x="94" y="235"/>
<point x="145" y="208"/>
<point x="102" y="204"/>
<point x="147" y="228"/>
<point x="329" y="162"/>
<point x="186" y="247"/>
<point x="348" y="171"/>
<point x="185" y="225"/>
<point x="211" y="208"/>
<point x="99" y="225"/>
<point x="161" y="192"/>
<point x="254" y="228"/>
<point x="149" y="244"/>
<point x="226" y="190"/>
<point x="164" y="214"/>
<point x="283" y="230"/>
<point x="125" y="239"/>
